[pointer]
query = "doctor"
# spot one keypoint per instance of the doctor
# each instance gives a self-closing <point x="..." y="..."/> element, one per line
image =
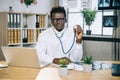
<point x="59" y="41"/>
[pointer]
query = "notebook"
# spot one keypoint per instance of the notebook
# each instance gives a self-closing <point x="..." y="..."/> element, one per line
<point x="3" y="66"/>
<point x="22" y="57"/>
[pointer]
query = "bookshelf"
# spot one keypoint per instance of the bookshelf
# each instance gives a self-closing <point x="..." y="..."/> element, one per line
<point x="21" y="29"/>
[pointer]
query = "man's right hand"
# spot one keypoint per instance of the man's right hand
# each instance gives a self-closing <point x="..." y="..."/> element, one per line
<point x="56" y="60"/>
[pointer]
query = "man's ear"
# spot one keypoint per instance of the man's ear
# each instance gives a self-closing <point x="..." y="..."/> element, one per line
<point x="65" y="19"/>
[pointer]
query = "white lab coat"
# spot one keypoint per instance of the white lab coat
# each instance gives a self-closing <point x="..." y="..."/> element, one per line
<point x="48" y="46"/>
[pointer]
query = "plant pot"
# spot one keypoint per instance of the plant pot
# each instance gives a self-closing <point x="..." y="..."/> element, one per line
<point x="87" y="67"/>
<point x="88" y="32"/>
<point x="115" y="69"/>
<point x="63" y="71"/>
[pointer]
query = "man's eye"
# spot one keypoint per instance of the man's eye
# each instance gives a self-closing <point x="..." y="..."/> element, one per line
<point x="58" y="19"/>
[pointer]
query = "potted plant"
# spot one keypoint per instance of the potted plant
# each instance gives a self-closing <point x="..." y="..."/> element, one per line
<point x="89" y="16"/>
<point x="87" y="64"/>
<point x="63" y="70"/>
<point x="28" y="2"/>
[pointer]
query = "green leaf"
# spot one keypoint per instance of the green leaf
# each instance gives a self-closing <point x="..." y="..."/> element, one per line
<point x="89" y="15"/>
<point x="28" y="2"/>
<point x="88" y="60"/>
<point x="63" y="62"/>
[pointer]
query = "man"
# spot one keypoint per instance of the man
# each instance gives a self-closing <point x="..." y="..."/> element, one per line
<point x="59" y="42"/>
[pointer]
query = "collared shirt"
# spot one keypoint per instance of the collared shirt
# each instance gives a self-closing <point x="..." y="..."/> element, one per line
<point x="49" y="47"/>
<point x="59" y="33"/>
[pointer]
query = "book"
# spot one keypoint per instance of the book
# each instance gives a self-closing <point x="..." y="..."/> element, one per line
<point x="19" y="36"/>
<point x="9" y="36"/>
<point x="15" y="35"/>
<point x="32" y="35"/>
<point x="37" y="21"/>
<point x="29" y="35"/>
<point x="24" y="34"/>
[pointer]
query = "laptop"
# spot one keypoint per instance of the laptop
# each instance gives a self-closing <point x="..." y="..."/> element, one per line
<point x="22" y="57"/>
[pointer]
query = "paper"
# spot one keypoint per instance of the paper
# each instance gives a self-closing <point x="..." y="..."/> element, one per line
<point x="72" y="66"/>
<point x="48" y="74"/>
<point x="53" y="73"/>
<point x="2" y="66"/>
<point x="44" y="64"/>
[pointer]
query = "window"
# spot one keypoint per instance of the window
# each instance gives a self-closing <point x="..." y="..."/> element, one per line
<point x="97" y="28"/>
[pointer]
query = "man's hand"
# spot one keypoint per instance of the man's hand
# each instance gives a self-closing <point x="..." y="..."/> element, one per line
<point x="68" y="60"/>
<point x="79" y="33"/>
<point x="56" y="60"/>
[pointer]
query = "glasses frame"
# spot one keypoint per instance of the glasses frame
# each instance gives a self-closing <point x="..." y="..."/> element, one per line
<point x="55" y="20"/>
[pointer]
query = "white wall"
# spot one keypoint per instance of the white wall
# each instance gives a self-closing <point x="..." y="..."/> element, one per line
<point x="43" y="6"/>
<point x="99" y="50"/>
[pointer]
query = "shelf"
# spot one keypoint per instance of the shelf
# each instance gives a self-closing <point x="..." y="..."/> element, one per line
<point x="100" y="38"/>
<point x="21" y="29"/>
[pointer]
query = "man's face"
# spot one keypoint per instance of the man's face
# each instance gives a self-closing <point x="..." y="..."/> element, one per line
<point x="58" y="21"/>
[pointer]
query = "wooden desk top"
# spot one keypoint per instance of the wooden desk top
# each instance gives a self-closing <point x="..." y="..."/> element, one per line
<point x="17" y="73"/>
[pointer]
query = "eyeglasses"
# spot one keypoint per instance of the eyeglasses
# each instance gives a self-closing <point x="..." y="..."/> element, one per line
<point x="58" y="19"/>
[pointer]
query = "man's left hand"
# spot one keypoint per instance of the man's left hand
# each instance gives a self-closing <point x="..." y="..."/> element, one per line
<point x="79" y="33"/>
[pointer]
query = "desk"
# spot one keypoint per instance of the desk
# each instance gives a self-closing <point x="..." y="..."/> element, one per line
<point x="17" y="73"/>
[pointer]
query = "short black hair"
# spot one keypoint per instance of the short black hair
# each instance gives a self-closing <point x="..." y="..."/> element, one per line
<point x="58" y="9"/>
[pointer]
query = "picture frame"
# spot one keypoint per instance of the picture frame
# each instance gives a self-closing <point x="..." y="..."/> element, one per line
<point x="108" y="4"/>
<point x="109" y="21"/>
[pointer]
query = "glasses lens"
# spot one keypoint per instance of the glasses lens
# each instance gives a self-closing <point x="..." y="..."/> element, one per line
<point x="58" y="19"/>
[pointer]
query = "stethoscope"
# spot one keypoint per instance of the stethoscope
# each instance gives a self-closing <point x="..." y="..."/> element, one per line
<point x="62" y="47"/>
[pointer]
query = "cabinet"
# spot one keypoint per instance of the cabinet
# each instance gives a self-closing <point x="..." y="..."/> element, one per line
<point x="21" y="29"/>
